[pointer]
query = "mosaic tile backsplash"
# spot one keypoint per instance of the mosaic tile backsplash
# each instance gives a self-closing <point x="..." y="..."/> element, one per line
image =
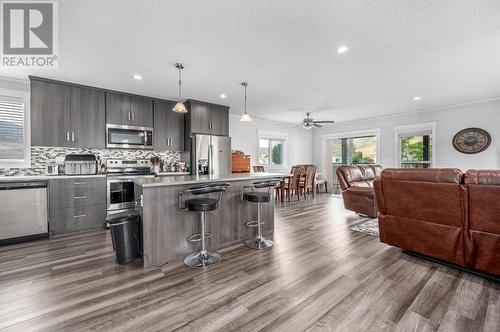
<point x="41" y="156"/>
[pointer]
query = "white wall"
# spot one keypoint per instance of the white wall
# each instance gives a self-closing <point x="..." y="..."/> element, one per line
<point x="244" y="138"/>
<point x="449" y="121"/>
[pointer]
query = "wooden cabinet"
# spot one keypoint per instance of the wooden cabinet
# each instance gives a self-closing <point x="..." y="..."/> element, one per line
<point x="50" y="114"/>
<point x="168" y="127"/>
<point x="123" y="109"/>
<point x="67" y="116"/>
<point x="207" y="118"/>
<point x="240" y="163"/>
<point x="76" y="204"/>
<point x="88" y="118"/>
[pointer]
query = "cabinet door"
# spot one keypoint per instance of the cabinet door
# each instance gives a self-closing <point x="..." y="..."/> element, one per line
<point x="88" y="118"/>
<point x="50" y="114"/>
<point x="142" y="111"/>
<point x="76" y="219"/>
<point x="219" y="115"/>
<point x="168" y="127"/>
<point x="199" y="117"/>
<point x="118" y="109"/>
<point x="160" y="138"/>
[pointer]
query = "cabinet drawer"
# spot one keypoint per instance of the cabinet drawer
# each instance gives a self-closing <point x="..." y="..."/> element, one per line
<point x="77" y="192"/>
<point x="76" y="219"/>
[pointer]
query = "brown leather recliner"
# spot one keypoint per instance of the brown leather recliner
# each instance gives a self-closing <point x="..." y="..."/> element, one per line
<point x="438" y="213"/>
<point x="483" y="224"/>
<point x="356" y="183"/>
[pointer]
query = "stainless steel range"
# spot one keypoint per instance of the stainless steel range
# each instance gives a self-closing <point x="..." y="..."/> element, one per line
<point x="120" y="182"/>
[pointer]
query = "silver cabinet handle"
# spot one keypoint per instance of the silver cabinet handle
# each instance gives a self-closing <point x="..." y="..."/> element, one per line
<point x="80" y="216"/>
<point x="133" y="116"/>
<point x="129" y="117"/>
<point x="80" y="197"/>
<point x="79" y="183"/>
<point x="67" y="136"/>
<point x="72" y="136"/>
<point x="213" y="127"/>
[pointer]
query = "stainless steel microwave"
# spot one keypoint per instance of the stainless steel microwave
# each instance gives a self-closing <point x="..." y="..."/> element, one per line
<point x="128" y="137"/>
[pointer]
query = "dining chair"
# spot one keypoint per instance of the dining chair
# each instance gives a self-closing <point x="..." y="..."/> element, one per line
<point x="292" y="187"/>
<point x="307" y="185"/>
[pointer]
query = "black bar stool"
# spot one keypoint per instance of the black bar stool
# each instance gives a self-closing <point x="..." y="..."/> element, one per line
<point x="258" y="197"/>
<point x="202" y="205"/>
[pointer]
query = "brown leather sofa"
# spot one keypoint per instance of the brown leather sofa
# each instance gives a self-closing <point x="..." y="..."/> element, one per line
<point x="356" y="183"/>
<point x="442" y="213"/>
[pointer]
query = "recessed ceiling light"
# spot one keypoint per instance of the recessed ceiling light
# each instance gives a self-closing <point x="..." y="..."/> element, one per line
<point x="417" y="98"/>
<point x="223" y="95"/>
<point x="342" y="49"/>
<point x="138" y="77"/>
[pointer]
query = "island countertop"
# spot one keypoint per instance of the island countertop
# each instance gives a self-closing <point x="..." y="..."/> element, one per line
<point x="196" y="179"/>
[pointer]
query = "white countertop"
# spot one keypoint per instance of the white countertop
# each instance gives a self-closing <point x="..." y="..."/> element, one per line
<point x="195" y="179"/>
<point x="171" y="173"/>
<point x="46" y="177"/>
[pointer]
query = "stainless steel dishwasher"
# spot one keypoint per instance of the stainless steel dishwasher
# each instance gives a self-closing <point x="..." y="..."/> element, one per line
<point x="23" y="211"/>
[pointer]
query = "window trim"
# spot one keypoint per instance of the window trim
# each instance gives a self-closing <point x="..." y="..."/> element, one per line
<point x="276" y="136"/>
<point x="26" y="162"/>
<point x="413" y="127"/>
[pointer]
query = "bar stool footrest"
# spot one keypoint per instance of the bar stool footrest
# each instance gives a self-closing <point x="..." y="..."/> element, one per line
<point x="253" y="223"/>
<point x="197" y="237"/>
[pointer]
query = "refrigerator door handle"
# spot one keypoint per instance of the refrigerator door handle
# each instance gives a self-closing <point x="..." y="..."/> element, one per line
<point x="210" y="159"/>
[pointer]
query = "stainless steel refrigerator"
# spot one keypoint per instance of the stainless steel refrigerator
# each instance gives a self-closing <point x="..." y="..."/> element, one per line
<point x="210" y="155"/>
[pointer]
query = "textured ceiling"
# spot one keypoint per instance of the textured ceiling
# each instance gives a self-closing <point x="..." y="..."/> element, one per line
<point x="446" y="51"/>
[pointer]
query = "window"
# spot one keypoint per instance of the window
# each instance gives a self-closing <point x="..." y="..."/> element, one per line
<point x="353" y="148"/>
<point x="270" y="151"/>
<point x="14" y="140"/>
<point x="272" y="148"/>
<point x="414" y="146"/>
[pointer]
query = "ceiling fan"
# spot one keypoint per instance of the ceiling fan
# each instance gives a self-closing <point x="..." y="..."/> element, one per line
<point x="309" y="123"/>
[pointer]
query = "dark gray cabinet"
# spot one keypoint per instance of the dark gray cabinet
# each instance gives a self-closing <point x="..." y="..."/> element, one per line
<point x="123" y="109"/>
<point x="50" y="114"/>
<point x="168" y="127"/>
<point x="76" y="204"/>
<point x="207" y="118"/>
<point x="67" y="116"/>
<point x="88" y="118"/>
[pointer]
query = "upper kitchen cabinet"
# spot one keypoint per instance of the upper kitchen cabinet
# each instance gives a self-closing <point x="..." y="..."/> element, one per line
<point x="168" y="127"/>
<point x="66" y="115"/>
<point x="50" y="114"/>
<point x="123" y="109"/>
<point x="207" y="118"/>
<point x="88" y="118"/>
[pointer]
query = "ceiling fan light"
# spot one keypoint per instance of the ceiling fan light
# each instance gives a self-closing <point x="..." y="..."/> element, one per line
<point x="180" y="108"/>
<point x="245" y="117"/>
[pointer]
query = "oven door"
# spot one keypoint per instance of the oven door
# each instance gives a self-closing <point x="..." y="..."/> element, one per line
<point x="120" y="193"/>
<point x="129" y="137"/>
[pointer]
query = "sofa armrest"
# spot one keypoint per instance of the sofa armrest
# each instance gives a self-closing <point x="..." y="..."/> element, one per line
<point x="360" y="191"/>
<point x="379" y="195"/>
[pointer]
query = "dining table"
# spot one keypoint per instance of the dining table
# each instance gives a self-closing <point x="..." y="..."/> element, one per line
<point x="286" y="177"/>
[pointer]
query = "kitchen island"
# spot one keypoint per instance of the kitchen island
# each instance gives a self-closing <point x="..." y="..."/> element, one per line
<point x="165" y="227"/>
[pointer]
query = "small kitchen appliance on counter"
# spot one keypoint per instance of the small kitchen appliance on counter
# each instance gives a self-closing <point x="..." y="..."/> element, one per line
<point x="80" y="164"/>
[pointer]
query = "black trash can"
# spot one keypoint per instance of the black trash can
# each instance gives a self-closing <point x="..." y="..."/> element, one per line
<point x="125" y="236"/>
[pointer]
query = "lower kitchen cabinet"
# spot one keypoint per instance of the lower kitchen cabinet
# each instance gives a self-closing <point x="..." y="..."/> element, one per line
<point x="76" y="204"/>
<point x="76" y="219"/>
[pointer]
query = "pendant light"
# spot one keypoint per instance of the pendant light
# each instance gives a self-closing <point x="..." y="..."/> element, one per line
<point x="179" y="107"/>
<point x="245" y="117"/>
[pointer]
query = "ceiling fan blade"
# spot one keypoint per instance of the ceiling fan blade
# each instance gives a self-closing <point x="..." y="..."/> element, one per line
<point x="324" y="121"/>
<point x="317" y="125"/>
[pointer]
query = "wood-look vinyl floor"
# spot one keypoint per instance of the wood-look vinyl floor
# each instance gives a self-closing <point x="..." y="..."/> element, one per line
<point x="320" y="276"/>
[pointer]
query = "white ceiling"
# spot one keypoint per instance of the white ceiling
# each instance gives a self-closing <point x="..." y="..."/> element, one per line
<point x="446" y="51"/>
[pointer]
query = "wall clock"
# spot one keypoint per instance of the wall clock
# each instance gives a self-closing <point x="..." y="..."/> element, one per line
<point x="471" y="140"/>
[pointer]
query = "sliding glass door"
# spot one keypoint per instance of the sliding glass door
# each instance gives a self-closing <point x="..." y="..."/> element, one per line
<point x="348" y="151"/>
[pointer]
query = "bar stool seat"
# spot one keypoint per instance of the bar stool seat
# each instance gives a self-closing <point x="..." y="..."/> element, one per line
<point x="201" y="204"/>
<point x="257" y="197"/>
